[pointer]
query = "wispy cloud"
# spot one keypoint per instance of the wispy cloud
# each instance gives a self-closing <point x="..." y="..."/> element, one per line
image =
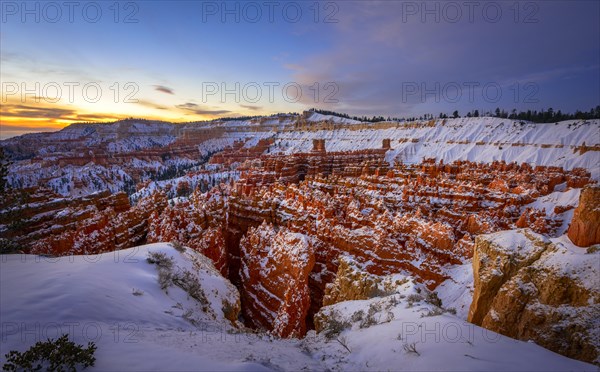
<point x="252" y="108"/>
<point x="199" y="110"/>
<point x="54" y="115"/>
<point x="147" y="103"/>
<point x="35" y="112"/>
<point x="162" y="88"/>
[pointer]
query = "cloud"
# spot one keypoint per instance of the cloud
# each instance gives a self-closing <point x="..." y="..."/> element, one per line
<point x="150" y="104"/>
<point x="375" y="53"/>
<point x="252" y="108"/>
<point x="162" y="88"/>
<point x="51" y="114"/>
<point x="199" y="110"/>
<point x="33" y="112"/>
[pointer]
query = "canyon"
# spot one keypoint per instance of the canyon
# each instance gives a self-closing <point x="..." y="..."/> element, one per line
<point x="295" y="209"/>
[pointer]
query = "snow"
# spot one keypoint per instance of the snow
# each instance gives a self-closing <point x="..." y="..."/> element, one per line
<point x="315" y="116"/>
<point x="444" y="342"/>
<point x="457" y="291"/>
<point x="473" y="139"/>
<point x="564" y="198"/>
<point x="548" y="202"/>
<point x="574" y="262"/>
<point x="92" y="298"/>
<point x="516" y="242"/>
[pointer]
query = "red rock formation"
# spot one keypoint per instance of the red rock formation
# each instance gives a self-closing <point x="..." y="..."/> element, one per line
<point x="190" y="225"/>
<point x="275" y="271"/>
<point x="97" y="223"/>
<point x="585" y="225"/>
<point x="318" y="145"/>
<point x="238" y="153"/>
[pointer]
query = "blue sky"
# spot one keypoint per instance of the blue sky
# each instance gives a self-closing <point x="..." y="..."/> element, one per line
<point x="368" y="56"/>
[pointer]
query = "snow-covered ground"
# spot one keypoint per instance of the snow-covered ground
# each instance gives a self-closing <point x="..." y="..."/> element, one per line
<point x="115" y="301"/>
<point x="475" y="139"/>
<point x="443" y="342"/>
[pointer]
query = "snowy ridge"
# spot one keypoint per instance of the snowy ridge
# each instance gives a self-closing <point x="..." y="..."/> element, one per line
<point x="315" y="116"/>
<point x="473" y="139"/>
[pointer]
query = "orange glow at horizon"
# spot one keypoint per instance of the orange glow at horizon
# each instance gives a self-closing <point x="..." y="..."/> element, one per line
<point x="18" y="118"/>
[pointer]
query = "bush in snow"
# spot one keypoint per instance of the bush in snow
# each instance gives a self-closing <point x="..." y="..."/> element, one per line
<point x="411" y="348"/>
<point x="411" y="299"/>
<point x="178" y="246"/>
<point x="358" y="316"/>
<point x="335" y="325"/>
<point x="165" y="268"/>
<point x="161" y="260"/>
<point x="190" y="283"/>
<point x="433" y="299"/>
<point x="434" y="312"/>
<point x="55" y="355"/>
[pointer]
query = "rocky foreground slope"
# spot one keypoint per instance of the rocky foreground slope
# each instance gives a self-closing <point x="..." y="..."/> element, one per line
<point x="530" y="287"/>
<point x="139" y="322"/>
<point x="293" y="210"/>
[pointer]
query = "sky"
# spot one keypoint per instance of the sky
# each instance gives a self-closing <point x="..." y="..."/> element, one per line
<point x="181" y="61"/>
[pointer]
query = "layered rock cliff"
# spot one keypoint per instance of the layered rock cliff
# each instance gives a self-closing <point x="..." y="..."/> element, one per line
<point x="45" y="223"/>
<point x="276" y="264"/>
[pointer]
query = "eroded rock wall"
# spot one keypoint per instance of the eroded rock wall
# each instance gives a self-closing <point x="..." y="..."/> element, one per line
<point x="530" y="288"/>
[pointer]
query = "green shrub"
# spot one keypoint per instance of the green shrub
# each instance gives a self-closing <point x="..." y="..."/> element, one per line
<point x="55" y="355"/>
